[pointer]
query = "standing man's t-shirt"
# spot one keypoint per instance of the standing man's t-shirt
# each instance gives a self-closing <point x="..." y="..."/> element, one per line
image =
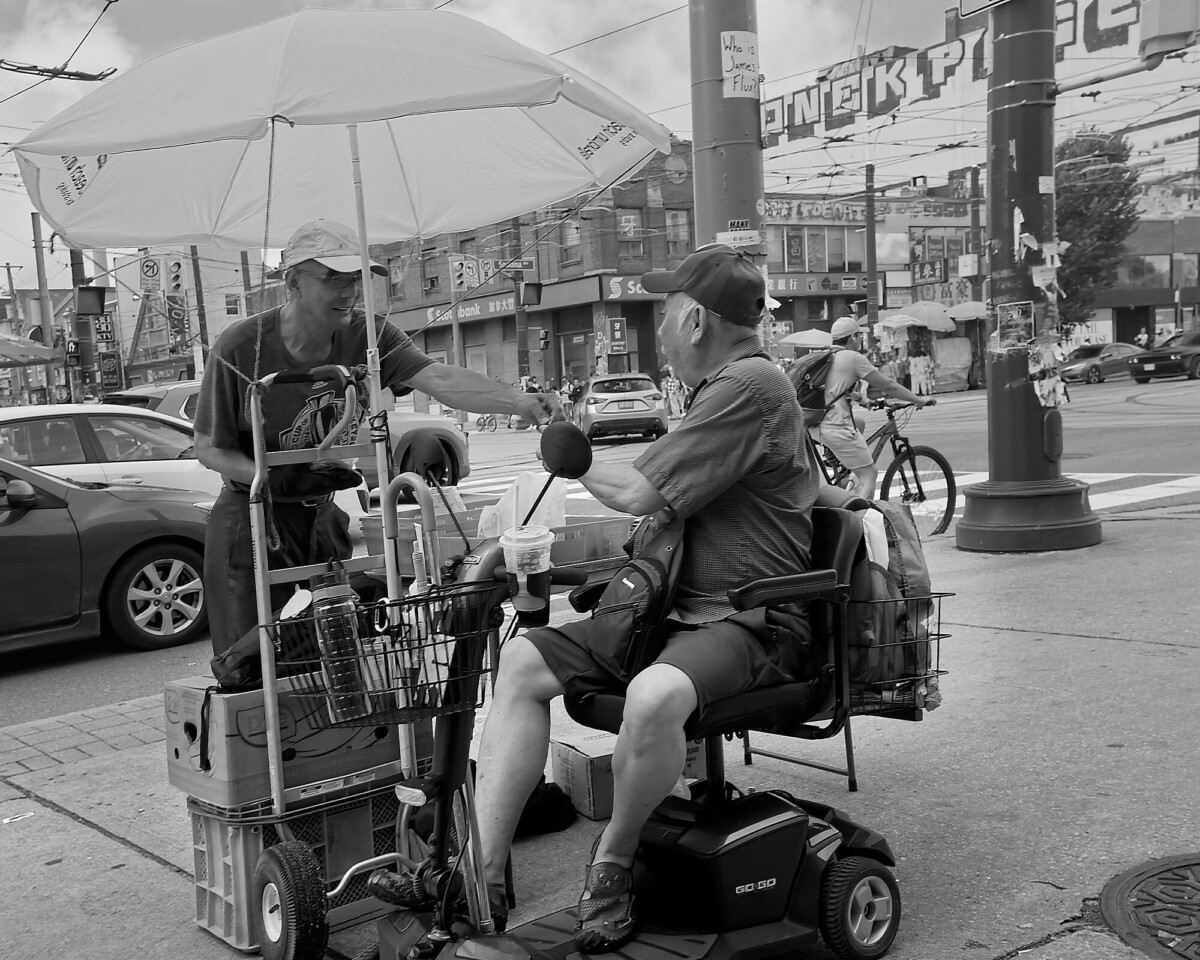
<point x="847" y="369"/>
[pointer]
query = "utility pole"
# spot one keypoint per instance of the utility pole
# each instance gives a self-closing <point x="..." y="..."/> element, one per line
<point x="727" y="129"/>
<point x="522" y="316"/>
<point x="45" y="307"/>
<point x="872" y="265"/>
<point x="19" y="330"/>
<point x="977" y="248"/>
<point x="201" y="315"/>
<point x="1026" y="504"/>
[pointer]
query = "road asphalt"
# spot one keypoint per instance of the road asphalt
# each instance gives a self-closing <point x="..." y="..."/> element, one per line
<point x="1065" y="753"/>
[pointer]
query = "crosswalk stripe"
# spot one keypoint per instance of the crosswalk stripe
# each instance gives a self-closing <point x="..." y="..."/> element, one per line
<point x="1153" y="491"/>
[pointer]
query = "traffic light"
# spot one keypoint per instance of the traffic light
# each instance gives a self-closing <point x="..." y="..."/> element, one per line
<point x="464" y="273"/>
<point x="82" y="337"/>
<point x="544" y="340"/>
<point x="175" y="276"/>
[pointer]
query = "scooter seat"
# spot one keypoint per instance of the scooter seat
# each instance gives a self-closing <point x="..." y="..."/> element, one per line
<point x="766" y="708"/>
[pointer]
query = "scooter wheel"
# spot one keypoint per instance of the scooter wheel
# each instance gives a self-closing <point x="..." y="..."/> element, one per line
<point x="288" y="898"/>
<point x="860" y="908"/>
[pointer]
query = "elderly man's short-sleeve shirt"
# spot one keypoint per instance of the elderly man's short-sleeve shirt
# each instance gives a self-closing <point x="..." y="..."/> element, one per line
<point x="737" y="468"/>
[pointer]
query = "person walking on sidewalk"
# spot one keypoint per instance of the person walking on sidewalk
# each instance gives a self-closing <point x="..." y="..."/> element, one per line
<point x="319" y="324"/>
<point x="838" y="432"/>
<point x="748" y="515"/>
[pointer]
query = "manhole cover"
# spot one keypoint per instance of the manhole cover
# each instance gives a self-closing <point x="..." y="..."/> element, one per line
<point x="1155" y="908"/>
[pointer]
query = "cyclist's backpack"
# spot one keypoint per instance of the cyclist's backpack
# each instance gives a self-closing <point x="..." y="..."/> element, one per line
<point x="890" y="609"/>
<point x="808" y="375"/>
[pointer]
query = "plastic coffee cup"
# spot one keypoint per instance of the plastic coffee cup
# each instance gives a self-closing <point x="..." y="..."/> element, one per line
<point x="527" y="559"/>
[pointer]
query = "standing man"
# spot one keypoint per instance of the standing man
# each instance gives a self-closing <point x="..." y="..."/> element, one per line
<point x="837" y="432"/>
<point x="319" y="324"/>
<point x="748" y="515"/>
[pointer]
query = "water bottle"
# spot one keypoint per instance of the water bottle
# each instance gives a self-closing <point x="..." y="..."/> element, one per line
<point x="335" y="612"/>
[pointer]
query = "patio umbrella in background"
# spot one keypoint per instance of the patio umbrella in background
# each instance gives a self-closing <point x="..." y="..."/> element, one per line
<point x="969" y="310"/>
<point x="934" y="316"/>
<point x="812" y="339"/>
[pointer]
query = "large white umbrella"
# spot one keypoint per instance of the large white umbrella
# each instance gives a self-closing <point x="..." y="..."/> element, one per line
<point x="22" y="352"/>
<point x="969" y="310"/>
<point x="458" y="126"/>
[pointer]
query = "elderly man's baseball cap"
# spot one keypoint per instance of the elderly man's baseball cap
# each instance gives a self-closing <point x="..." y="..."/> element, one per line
<point x="331" y="244"/>
<point x="844" y="327"/>
<point x="719" y="278"/>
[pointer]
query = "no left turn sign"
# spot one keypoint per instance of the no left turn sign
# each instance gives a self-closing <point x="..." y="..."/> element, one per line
<point x="151" y="274"/>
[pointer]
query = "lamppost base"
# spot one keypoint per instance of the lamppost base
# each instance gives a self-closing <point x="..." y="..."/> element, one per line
<point x="1006" y="516"/>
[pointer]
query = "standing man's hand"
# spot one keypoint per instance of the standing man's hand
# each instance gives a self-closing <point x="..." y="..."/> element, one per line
<point x="541" y="408"/>
<point x="926" y="401"/>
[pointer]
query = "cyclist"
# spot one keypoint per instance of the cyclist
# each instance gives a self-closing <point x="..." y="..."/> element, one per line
<point x="838" y="432"/>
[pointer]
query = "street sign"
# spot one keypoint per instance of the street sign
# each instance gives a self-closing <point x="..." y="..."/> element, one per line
<point x="104" y="329"/>
<point x="968" y="7"/>
<point x="498" y="264"/>
<point x="464" y="273"/>
<point x="177" y="315"/>
<point x="738" y="238"/>
<point x="928" y="271"/>
<point x="110" y="370"/>
<point x="151" y="274"/>
<point x="617" y="342"/>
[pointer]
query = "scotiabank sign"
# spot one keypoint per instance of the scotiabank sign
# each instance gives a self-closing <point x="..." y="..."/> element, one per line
<point x="473" y="309"/>
<point x="625" y="288"/>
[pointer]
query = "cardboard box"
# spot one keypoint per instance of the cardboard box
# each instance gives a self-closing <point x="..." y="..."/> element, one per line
<point x="237" y="772"/>
<point x="582" y="766"/>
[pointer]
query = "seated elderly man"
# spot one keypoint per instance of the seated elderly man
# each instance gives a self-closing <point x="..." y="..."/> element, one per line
<point x="737" y="470"/>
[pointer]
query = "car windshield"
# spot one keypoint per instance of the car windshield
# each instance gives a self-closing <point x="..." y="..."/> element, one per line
<point x="1086" y="351"/>
<point x="624" y="385"/>
<point x="1182" y="340"/>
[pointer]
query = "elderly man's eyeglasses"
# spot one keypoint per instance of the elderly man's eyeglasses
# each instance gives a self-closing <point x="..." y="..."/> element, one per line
<point x="335" y="281"/>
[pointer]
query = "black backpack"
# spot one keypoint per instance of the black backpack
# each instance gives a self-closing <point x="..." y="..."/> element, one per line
<point x="808" y="375"/>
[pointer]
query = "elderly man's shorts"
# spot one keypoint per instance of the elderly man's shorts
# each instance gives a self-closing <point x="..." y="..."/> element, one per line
<point x="751" y="649"/>
<point x="845" y="443"/>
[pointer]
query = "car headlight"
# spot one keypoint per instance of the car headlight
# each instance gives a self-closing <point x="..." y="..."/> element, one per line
<point x="1177" y="356"/>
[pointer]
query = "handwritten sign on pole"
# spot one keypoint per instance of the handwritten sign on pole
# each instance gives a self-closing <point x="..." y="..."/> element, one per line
<point x="739" y="63"/>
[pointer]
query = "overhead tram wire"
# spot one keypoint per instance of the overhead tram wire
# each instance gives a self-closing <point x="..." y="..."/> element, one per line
<point x="107" y="4"/>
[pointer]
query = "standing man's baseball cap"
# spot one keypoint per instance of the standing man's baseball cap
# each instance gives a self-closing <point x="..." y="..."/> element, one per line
<point x="331" y="244"/>
<point x="720" y="278"/>
<point x="844" y="327"/>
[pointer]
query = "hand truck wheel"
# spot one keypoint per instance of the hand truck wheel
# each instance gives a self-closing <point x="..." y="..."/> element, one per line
<point x="288" y="900"/>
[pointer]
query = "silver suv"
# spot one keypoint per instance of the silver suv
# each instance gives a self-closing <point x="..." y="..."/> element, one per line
<point x="621" y="403"/>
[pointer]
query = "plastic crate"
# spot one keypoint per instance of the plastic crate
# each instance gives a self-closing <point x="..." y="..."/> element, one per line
<point x="226" y="845"/>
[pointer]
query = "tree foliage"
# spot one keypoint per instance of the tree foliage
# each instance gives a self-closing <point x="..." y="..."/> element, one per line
<point x="1095" y="211"/>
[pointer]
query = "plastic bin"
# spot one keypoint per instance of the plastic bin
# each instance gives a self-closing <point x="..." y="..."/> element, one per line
<point x="226" y="845"/>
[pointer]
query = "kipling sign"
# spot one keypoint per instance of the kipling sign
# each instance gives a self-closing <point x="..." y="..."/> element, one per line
<point x="878" y="84"/>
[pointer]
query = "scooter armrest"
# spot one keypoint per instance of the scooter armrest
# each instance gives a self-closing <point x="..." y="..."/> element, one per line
<point x="587" y="595"/>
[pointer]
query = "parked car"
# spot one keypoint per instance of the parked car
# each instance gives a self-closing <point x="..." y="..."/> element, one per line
<point x="1096" y="362"/>
<point x="81" y="559"/>
<point x="178" y="399"/>
<point x="1176" y="357"/>
<point x="621" y="403"/>
<point x="106" y="443"/>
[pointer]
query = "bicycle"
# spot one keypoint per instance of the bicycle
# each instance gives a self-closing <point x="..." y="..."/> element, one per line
<point x="486" y="422"/>
<point x="920" y="476"/>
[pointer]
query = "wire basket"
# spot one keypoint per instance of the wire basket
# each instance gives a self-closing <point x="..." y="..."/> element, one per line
<point x="395" y="661"/>
<point x="896" y="662"/>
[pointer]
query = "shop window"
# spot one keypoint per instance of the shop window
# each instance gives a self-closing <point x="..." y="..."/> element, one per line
<point x="396" y="278"/>
<point x="430" y="282"/>
<point x="814" y="249"/>
<point x="1144" y="272"/>
<point x="835" y="248"/>
<point x="629" y="233"/>
<point x="570" y="249"/>
<point x="856" y="249"/>
<point x="233" y="305"/>
<point x="793" y="250"/>
<point x="1185" y="270"/>
<point x="679" y="234"/>
<point x="775" y="248"/>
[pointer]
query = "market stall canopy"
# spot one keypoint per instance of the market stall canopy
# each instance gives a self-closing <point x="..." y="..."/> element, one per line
<point x="22" y="352"/>
<point x="969" y="310"/>
<point x="934" y="316"/>
<point x="458" y="126"/>
<point x="807" y="338"/>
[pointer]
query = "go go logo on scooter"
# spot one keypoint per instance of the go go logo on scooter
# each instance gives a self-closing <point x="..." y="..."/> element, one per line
<point x="754" y="887"/>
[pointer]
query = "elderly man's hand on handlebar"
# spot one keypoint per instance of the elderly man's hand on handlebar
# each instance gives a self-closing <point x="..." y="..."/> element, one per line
<point x="925" y="401"/>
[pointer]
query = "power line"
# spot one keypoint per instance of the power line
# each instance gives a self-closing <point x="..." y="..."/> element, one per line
<point x="58" y="70"/>
<point x="601" y="36"/>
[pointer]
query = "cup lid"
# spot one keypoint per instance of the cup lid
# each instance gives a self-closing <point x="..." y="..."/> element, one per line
<point x="531" y="535"/>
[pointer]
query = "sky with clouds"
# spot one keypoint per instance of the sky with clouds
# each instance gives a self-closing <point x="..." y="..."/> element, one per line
<point x="646" y="62"/>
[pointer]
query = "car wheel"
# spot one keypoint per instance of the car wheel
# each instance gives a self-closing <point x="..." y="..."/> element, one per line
<point x="1194" y="368"/>
<point x="1094" y="375"/>
<point x="1141" y="379"/>
<point x="155" y="597"/>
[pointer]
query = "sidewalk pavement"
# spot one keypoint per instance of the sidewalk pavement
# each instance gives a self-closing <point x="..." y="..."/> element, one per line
<point x="1066" y="752"/>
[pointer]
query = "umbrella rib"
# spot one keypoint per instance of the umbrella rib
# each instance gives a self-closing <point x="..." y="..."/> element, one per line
<point x="404" y="177"/>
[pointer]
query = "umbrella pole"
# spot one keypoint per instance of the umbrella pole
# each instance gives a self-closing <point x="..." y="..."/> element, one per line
<point x="408" y="743"/>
